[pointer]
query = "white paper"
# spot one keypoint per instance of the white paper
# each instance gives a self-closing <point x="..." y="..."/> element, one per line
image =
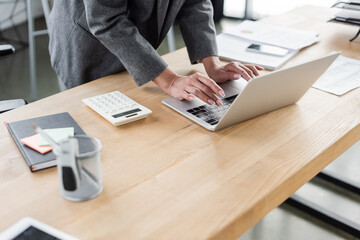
<point x="289" y="38"/>
<point x="234" y="49"/>
<point x="342" y="76"/>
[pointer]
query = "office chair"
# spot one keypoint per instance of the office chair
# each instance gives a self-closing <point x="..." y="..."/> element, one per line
<point x="7" y="105"/>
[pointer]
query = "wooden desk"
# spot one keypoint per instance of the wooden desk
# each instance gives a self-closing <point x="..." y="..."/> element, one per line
<point x="165" y="177"/>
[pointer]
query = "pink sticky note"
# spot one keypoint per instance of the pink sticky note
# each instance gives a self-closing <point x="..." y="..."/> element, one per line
<point x="33" y="142"/>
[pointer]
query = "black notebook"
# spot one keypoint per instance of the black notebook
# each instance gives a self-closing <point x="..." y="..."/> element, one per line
<point x="21" y="129"/>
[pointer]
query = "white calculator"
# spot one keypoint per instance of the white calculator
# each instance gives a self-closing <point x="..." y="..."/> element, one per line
<point x="117" y="108"/>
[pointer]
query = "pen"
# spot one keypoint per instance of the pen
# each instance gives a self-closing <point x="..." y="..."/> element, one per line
<point x="47" y="137"/>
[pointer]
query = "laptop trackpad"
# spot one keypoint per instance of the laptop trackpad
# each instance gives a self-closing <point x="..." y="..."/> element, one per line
<point x="233" y="87"/>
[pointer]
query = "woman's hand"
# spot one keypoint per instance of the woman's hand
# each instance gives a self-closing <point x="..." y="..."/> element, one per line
<point x="231" y="71"/>
<point x="186" y="87"/>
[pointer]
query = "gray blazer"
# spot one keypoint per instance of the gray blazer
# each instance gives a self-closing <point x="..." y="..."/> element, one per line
<point x="94" y="38"/>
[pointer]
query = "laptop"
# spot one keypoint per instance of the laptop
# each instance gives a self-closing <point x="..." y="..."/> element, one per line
<point x="262" y="94"/>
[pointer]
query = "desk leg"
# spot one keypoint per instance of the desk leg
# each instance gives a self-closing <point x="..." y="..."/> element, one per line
<point x="248" y="10"/>
<point x="32" y="57"/>
<point x="171" y="39"/>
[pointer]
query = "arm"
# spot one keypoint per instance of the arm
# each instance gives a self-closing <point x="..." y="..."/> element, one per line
<point x="108" y="22"/>
<point x="197" y="28"/>
<point x="194" y="15"/>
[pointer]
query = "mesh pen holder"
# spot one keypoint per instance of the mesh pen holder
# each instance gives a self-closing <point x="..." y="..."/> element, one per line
<point x="79" y="167"/>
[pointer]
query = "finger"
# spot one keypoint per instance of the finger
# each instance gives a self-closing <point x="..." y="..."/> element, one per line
<point x="187" y="96"/>
<point x="205" y="95"/>
<point x="210" y="83"/>
<point x="250" y="72"/>
<point x="259" y="67"/>
<point x="199" y="94"/>
<point x="253" y="69"/>
<point x="235" y="68"/>
<point x="206" y="90"/>
<point x="230" y="75"/>
<point x="181" y="95"/>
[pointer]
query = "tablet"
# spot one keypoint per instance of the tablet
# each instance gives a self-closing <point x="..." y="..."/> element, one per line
<point x="29" y="228"/>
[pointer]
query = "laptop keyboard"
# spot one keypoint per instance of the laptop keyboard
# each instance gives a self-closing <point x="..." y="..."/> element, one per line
<point x="212" y="113"/>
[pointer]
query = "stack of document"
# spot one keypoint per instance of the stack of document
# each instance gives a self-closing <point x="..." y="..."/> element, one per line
<point x="232" y="43"/>
<point x="350" y="16"/>
<point x="351" y="4"/>
<point x="341" y="77"/>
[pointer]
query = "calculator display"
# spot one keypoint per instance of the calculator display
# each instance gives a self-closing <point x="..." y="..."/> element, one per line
<point x="126" y="113"/>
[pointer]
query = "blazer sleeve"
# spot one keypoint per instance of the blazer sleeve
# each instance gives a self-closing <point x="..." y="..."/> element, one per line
<point x="108" y="22"/>
<point x="197" y="28"/>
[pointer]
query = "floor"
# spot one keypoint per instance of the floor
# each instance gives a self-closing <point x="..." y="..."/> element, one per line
<point x="284" y="222"/>
<point x="14" y="69"/>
